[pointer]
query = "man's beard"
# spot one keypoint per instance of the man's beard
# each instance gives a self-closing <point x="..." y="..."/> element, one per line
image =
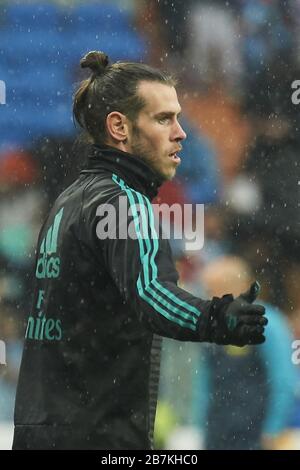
<point x="141" y="149"/>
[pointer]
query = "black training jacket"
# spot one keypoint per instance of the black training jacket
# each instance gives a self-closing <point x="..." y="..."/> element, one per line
<point x="90" y="367"/>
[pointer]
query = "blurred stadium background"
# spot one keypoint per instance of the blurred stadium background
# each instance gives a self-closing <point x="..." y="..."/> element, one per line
<point x="236" y="62"/>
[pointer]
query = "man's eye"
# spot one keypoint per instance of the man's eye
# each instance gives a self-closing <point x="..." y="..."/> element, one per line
<point x="164" y="120"/>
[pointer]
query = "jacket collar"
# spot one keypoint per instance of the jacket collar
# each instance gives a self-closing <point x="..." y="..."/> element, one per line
<point x="132" y="169"/>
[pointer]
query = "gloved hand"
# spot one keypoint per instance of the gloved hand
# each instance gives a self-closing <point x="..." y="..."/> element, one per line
<point x="237" y="321"/>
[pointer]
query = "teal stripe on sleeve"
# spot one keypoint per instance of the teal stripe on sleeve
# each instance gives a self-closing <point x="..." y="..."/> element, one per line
<point x="154" y="237"/>
<point x="150" y="254"/>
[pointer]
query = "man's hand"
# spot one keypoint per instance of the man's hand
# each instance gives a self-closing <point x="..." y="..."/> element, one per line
<point x="238" y="321"/>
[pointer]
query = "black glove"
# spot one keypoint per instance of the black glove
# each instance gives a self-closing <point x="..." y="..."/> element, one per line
<point x="237" y="321"/>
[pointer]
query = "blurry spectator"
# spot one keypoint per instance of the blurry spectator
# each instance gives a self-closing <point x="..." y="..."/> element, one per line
<point x="21" y="211"/>
<point x="214" y="48"/>
<point x="244" y="397"/>
<point x="266" y="34"/>
<point x="265" y="196"/>
<point x="274" y="167"/>
<point x="173" y="16"/>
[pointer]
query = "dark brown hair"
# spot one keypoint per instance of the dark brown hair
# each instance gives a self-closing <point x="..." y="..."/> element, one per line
<point x="111" y="87"/>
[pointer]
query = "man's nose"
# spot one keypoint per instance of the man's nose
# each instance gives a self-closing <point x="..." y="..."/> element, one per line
<point x="179" y="133"/>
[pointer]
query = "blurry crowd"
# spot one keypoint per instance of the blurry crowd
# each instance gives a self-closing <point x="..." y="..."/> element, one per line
<point x="235" y="61"/>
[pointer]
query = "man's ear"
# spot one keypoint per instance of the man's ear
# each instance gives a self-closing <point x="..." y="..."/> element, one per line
<point x="117" y="126"/>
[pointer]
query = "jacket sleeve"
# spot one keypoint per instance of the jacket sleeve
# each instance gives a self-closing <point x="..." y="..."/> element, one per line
<point x="141" y="265"/>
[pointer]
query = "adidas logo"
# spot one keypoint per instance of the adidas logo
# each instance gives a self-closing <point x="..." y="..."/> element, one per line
<point x="48" y="265"/>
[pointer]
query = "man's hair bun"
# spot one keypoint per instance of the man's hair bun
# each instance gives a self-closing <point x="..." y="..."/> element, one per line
<point x="96" y="61"/>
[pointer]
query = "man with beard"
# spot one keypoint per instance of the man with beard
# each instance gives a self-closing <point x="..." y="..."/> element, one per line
<point x="90" y="367"/>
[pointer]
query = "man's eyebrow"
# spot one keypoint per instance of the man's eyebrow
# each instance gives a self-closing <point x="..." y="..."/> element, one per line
<point x="167" y="114"/>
